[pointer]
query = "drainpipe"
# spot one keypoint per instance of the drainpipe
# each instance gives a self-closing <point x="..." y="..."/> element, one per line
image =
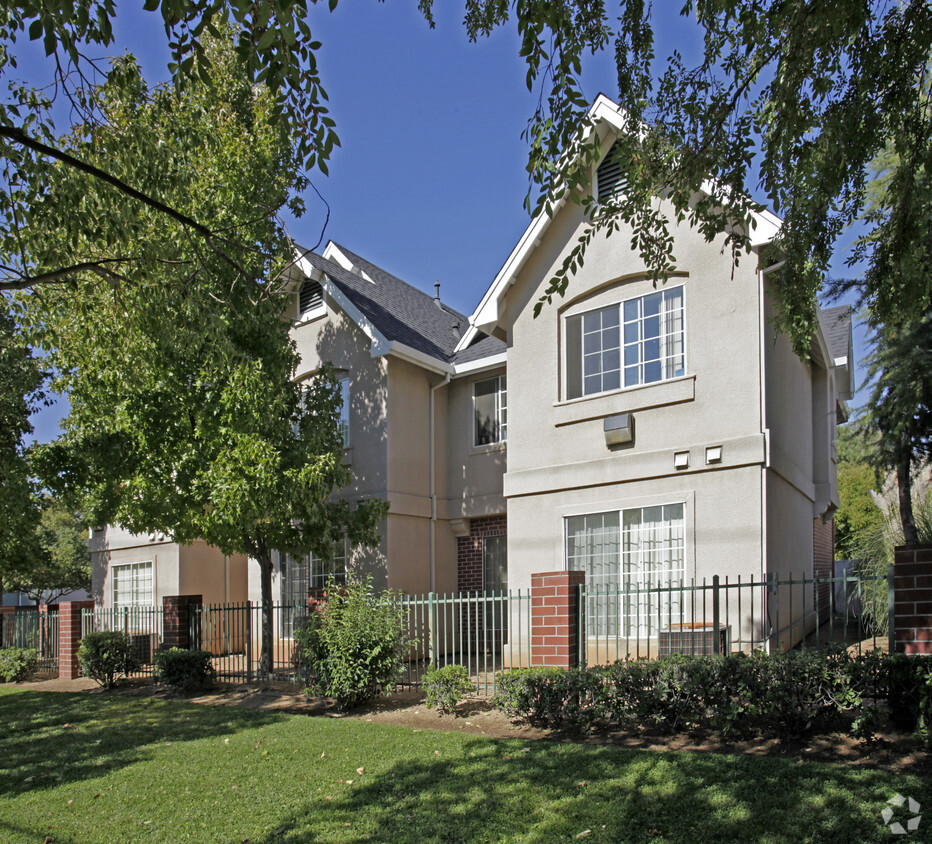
<point x="433" y="482"/>
<point x="762" y="298"/>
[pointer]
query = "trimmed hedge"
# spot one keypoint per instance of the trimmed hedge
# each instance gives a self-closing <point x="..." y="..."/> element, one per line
<point x="785" y="694"/>
<point x="184" y="670"/>
<point x="18" y="664"/>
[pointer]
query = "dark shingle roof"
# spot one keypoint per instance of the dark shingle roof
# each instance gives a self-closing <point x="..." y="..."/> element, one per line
<point x="836" y="323"/>
<point x="402" y="312"/>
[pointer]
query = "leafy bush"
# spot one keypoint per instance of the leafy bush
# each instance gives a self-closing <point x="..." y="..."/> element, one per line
<point x="17" y="664"/>
<point x="184" y="670"/>
<point x="106" y="654"/>
<point x="445" y="687"/>
<point x="353" y="647"/>
<point x="909" y="689"/>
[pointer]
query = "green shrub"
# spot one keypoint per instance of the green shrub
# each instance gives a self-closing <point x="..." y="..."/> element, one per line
<point x="106" y="654"/>
<point x="17" y="664"/>
<point x="783" y="694"/>
<point x="445" y="687"/>
<point x="354" y="646"/>
<point x="557" y="698"/>
<point x="184" y="670"/>
<point x="909" y="692"/>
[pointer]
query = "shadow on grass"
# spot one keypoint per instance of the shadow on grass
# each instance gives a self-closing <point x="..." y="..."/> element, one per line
<point x="500" y="791"/>
<point x="49" y="738"/>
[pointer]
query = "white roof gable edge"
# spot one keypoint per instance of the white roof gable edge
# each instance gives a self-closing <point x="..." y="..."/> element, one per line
<point x="380" y="344"/>
<point x="764" y="224"/>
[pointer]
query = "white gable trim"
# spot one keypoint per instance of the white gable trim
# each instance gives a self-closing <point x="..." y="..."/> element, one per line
<point x="380" y="345"/>
<point x="332" y="252"/>
<point x="604" y="112"/>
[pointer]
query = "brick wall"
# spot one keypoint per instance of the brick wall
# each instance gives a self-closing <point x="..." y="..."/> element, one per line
<point x="69" y="637"/>
<point x="469" y="551"/>
<point x="176" y="629"/>
<point x="912" y="572"/>
<point x="823" y="558"/>
<point x="556" y="618"/>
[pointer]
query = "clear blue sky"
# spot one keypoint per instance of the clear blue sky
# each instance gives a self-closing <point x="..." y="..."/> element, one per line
<point x="430" y="180"/>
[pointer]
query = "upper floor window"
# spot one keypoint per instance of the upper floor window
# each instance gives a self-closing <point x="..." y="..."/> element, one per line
<point x="345" y="411"/>
<point x="638" y="341"/>
<point x="490" y="406"/>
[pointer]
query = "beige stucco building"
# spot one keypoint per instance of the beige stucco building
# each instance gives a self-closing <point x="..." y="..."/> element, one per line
<point x="642" y="433"/>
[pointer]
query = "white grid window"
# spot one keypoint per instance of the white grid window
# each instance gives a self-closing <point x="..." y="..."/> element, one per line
<point x="639" y="341"/>
<point x="132" y="585"/>
<point x="625" y="554"/>
<point x="653" y="344"/>
<point x="345" y="411"/>
<point x="490" y="406"/>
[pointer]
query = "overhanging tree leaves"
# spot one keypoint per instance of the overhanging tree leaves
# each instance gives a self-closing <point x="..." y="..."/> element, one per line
<point x="802" y="93"/>
<point x="179" y="366"/>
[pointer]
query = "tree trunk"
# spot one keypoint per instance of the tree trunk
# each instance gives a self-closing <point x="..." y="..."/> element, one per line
<point x="264" y="558"/>
<point x="910" y="534"/>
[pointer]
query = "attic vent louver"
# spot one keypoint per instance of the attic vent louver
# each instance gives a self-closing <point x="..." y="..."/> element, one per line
<point x="312" y="296"/>
<point x="610" y="179"/>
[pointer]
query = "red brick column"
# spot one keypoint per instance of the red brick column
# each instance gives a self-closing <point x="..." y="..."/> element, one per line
<point x="176" y="628"/>
<point x="556" y="618"/>
<point x="912" y="573"/>
<point x="69" y="637"/>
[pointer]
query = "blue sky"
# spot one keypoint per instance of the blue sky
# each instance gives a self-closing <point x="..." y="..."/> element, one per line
<point x="430" y="180"/>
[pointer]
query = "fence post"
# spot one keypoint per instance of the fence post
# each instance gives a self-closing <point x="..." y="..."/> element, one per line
<point x="70" y="620"/>
<point x="555" y="618"/>
<point x="431" y="631"/>
<point x="248" y="641"/>
<point x="716" y="617"/>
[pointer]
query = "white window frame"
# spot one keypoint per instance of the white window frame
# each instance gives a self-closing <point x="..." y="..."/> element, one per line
<point x="620" y="604"/>
<point x="672" y="360"/>
<point x="500" y="413"/>
<point x="137" y="598"/>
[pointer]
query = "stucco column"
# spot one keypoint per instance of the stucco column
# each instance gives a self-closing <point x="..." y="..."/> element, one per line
<point x="70" y="619"/>
<point x="556" y="618"/>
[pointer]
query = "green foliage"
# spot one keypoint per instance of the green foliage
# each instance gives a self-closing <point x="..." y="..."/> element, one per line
<point x="910" y="693"/>
<point x="875" y="551"/>
<point x="858" y="513"/>
<point x="18" y="664"/>
<point x="62" y="562"/>
<point x="184" y="670"/>
<point x="21" y="378"/>
<point x="446" y="686"/>
<point x="185" y="418"/>
<point x="355" y="644"/>
<point x="786" y="694"/>
<point x="106" y="655"/>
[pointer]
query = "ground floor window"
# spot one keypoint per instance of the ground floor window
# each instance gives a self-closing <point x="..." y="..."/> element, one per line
<point x="300" y="575"/>
<point x="131" y="585"/>
<point x="631" y="558"/>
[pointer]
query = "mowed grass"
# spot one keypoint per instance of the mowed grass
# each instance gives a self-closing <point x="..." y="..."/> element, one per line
<point x="99" y="768"/>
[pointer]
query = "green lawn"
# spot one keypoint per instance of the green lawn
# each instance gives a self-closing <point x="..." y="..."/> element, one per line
<point x="96" y="768"/>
